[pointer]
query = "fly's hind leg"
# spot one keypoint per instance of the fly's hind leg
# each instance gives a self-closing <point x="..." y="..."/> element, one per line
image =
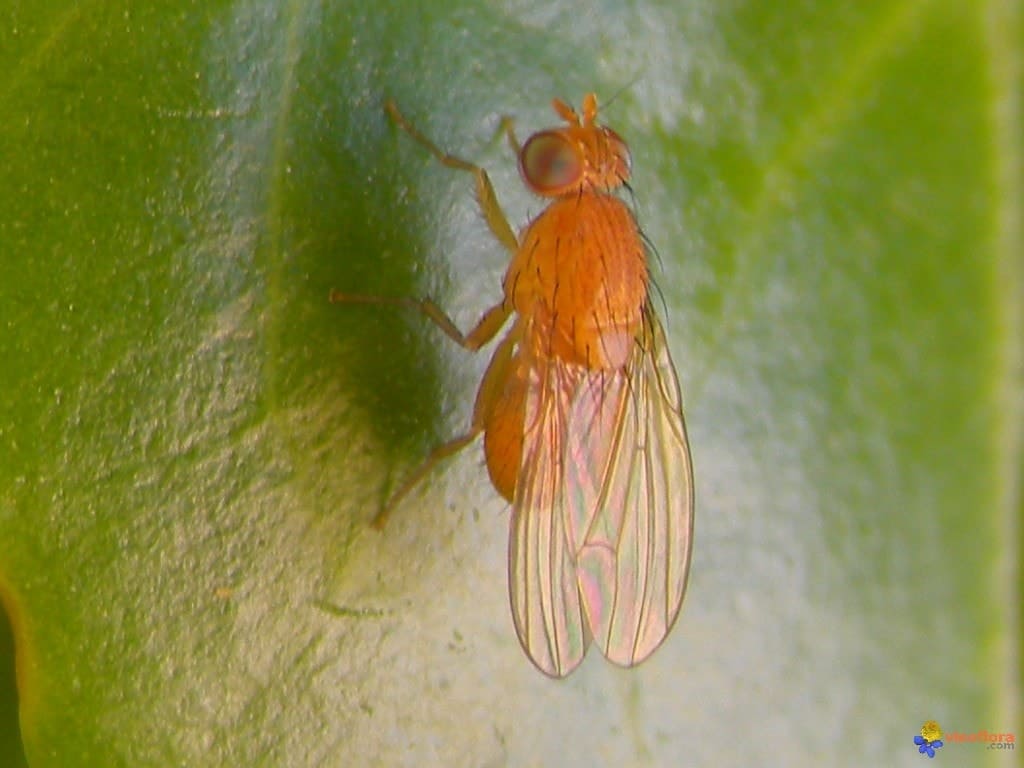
<point x="487" y="199"/>
<point x="435" y="457"/>
<point x="487" y="397"/>
<point x="485" y="329"/>
<point x="489" y="324"/>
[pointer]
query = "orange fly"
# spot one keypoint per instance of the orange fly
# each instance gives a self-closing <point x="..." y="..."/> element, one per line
<point x="580" y="407"/>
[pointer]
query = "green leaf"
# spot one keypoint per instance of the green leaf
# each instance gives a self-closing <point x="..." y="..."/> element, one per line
<point x="193" y="439"/>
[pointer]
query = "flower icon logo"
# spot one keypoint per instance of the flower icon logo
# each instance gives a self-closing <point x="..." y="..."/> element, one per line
<point x="930" y="738"/>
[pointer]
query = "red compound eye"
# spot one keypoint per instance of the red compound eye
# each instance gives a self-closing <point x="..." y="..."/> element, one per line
<point x="550" y="163"/>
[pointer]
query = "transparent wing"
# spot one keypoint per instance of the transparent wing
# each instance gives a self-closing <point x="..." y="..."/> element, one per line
<point x="632" y="524"/>
<point x="602" y="519"/>
<point x="546" y="605"/>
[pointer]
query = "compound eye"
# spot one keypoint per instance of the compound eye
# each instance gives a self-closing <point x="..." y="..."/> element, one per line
<point x="550" y="163"/>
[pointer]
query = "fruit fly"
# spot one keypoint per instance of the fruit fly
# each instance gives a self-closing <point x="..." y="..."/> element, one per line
<point x="579" y="408"/>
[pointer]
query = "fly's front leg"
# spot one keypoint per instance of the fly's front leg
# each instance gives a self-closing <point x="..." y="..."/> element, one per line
<point x="508" y="127"/>
<point x="487" y="199"/>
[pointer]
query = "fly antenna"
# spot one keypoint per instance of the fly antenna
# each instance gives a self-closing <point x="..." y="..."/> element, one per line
<point x="623" y="88"/>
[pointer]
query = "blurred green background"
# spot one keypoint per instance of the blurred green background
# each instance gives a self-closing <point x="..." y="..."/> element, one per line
<point x="192" y="439"/>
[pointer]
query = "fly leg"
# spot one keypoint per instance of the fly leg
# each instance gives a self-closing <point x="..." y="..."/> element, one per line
<point x="435" y="457"/>
<point x="486" y="328"/>
<point x="486" y="397"/>
<point x="487" y="199"/>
